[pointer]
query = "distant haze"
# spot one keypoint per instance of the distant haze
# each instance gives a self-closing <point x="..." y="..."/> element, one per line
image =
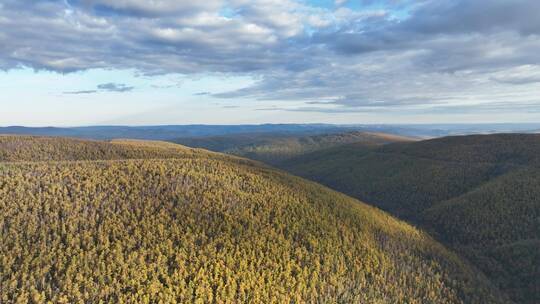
<point x="173" y="132"/>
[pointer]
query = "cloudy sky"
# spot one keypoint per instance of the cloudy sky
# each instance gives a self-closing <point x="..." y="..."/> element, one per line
<point x="141" y="62"/>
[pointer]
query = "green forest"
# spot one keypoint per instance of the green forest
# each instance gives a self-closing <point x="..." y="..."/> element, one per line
<point x="476" y="194"/>
<point x="276" y="148"/>
<point x="150" y="222"/>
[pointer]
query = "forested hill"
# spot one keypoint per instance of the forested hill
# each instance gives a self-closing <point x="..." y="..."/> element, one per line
<point x="37" y="148"/>
<point x="275" y="148"/>
<point x="149" y="222"/>
<point x="478" y="194"/>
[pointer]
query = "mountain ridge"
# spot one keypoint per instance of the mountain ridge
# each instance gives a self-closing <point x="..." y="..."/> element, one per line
<point x="276" y="148"/>
<point x="475" y="193"/>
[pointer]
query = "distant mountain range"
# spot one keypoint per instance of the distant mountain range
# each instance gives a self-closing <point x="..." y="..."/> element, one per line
<point x="173" y="132"/>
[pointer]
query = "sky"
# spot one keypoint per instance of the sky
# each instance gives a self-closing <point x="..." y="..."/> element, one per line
<point x="142" y="62"/>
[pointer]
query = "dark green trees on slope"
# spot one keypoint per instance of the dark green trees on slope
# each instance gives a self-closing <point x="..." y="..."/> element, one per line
<point x="478" y="194"/>
<point x="276" y="148"/>
<point x="147" y="222"/>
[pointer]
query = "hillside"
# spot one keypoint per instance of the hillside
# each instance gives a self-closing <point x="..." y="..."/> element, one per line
<point x="149" y="222"/>
<point x="224" y="143"/>
<point x="478" y="194"/>
<point x="275" y="148"/>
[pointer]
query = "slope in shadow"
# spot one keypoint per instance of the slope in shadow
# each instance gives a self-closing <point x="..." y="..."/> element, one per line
<point x="478" y="194"/>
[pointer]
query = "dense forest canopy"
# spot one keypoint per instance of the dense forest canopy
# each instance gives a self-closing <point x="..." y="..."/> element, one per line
<point x="149" y="222"/>
<point x="478" y="194"/>
<point x="276" y="148"/>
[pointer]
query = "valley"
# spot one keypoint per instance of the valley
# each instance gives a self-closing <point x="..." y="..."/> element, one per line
<point x="477" y="194"/>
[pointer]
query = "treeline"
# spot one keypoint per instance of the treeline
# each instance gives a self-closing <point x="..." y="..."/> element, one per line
<point x="35" y="148"/>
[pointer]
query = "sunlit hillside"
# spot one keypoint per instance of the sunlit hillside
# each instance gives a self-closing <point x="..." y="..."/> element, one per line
<point x="149" y="222"/>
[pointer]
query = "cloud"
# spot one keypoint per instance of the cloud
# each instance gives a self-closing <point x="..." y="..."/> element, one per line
<point x="105" y="87"/>
<point x="407" y="55"/>
<point x="81" y="92"/>
<point x="520" y="75"/>
<point x="377" y="61"/>
<point x="202" y="93"/>
<point x="489" y="107"/>
<point x="114" y="87"/>
<point x="359" y="101"/>
<point x="462" y="16"/>
<point x="318" y="110"/>
<point x="154" y="37"/>
<point x="144" y="8"/>
<point x="518" y="80"/>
